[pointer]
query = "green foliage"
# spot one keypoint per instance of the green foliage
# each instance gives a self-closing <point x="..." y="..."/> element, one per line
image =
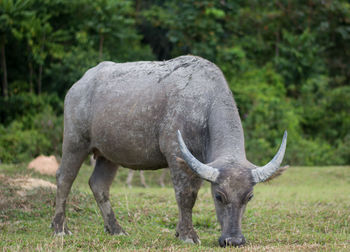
<point x="33" y="128"/>
<point x="27" y="105"/>
<point x="12" y="12"/>
<point x="19" y="144"/>
<point x="343" y="148"/>
<point x="287" y="62"/>
<point x="190" y="26"/>
<point x="299" y="59"/>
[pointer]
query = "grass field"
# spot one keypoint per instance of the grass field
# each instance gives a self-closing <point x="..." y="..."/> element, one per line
<point x="308" y="208"/>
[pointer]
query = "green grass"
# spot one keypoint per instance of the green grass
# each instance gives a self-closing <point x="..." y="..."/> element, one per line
<point x="307" y="208"/>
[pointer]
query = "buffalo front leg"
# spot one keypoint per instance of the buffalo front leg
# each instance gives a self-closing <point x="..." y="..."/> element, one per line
<point x="186" y="185"/>
<point x="100" y="182"/>
<point x="66" y="174"/>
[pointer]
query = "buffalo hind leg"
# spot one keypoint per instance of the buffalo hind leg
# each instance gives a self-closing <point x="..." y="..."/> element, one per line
<point x="186" y="185"/>
<point x="100" y="182"/>
<point x="66" y="174"/>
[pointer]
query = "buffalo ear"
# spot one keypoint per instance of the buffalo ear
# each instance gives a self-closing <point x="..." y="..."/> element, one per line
<point x="182" y="164"/>
<point x="180" y="161"/>
<point x="278" y="173"/>
<point x="261" y="174"/>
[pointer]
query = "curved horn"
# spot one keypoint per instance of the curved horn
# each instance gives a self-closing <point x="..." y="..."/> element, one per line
<point x="204" y="171"/>
<point x="261" y="174"/>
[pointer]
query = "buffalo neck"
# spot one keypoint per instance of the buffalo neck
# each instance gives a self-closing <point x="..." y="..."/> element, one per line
<point x="226" y="137"/>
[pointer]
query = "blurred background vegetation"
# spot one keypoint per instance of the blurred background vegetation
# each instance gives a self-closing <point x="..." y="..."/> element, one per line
<point x="286" y="61"/>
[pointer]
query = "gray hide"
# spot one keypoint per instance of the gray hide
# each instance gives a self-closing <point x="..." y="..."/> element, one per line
<point x="128" y="114"/>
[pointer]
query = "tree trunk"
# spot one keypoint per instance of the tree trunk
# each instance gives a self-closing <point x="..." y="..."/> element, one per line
<point x="41" y="65"/>
<point x="137" y="7"/>
<point x="30" y="77"/>
<point x="277" y="52"/>
<point x="39" y="78"/>
<point x="4" y="70"/>
<point x="102" y="38"/>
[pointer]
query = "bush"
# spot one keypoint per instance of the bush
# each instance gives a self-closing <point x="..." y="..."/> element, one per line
<point x="18" y="145"/>
<point x="343" y="149"/>
<point x="30" y="136"/>
<point x="27" y="105"/>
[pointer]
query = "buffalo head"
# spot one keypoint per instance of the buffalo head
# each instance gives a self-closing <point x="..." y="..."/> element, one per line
<point x="232" y="187"/>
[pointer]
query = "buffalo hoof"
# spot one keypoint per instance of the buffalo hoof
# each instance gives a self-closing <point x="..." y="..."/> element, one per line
<point x="192" y="241"/>
<point x="191" y="238"/>
<point x="63" y="232"/>
<point x="232" y="241"/>
<point x="115" y="231"/>
<point x="66" y="232"/>
<point x="59" y="230"/>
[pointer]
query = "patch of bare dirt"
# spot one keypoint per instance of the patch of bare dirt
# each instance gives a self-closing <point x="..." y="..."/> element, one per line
<point x="27" y="183"/>
<point x="24" y="184"/>
<point x="44" y="165"/>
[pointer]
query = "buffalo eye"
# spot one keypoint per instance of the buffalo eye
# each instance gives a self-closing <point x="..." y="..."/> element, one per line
<point x="250" y="197"/>
<point x="219" y="197"/>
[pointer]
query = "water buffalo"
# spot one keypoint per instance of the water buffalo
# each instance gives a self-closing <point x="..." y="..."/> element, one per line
<point x="150" y="115"/>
